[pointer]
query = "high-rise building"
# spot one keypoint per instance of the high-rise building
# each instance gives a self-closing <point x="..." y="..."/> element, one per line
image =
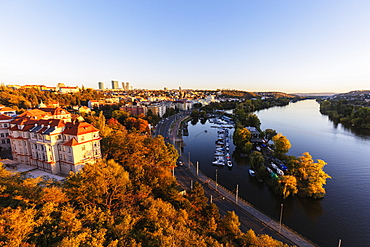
<point x="114" y="84"/>
<point x="126" y="86"/>
<point x="101" y="85"/>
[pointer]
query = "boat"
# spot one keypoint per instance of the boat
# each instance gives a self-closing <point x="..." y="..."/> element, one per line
<point x="268" y="169"/>
<point x="274" y="166"/>
<point x="229" y="163"/>
<point x="252" y="172"/>
<point x="218" y="153"/>
<point x="279" y="172"/>
<point x="219" y="161"/>
<point x="258" y="148"/>
<point x="228" y="156"/>
<point x="283" y="167"/>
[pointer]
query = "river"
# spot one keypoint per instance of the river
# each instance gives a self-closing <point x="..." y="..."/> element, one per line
<point x="343" y="214"/>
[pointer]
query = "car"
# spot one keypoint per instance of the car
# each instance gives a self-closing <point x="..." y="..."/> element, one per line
<point x="179" y="163"/>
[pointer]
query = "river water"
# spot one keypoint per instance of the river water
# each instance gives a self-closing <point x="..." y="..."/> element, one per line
<point x="343" y="214"/>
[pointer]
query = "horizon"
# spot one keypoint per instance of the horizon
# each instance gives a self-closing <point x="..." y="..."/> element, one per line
<point x="251" y="46"/>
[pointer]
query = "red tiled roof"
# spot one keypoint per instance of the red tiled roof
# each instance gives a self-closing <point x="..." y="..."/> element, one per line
<point x="79" y="128"/>
<point x="4" y="117"/>
<point x="34" y="113"/>
<point x="55" y="110"/>
<point x="71" y="142"/>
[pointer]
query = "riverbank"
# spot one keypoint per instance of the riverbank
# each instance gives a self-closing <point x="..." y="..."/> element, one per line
<point x="280" y="232"/>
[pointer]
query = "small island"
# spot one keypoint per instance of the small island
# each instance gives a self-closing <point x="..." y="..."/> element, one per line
<point x="267" y="152"/>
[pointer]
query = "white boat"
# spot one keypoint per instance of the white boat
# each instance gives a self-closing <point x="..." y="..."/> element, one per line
<point x="279" y="172"/>
<point x="228" y="156"/>
<point x="252" y="172"/>
<point x="218" y="153"/>
<point x="274" y="166"/>
<point x="229" y="163"/>
<point x="219" y="161"/>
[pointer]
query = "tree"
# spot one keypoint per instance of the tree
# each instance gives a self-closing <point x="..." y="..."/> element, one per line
<point x="288" y="185"/>
<point x="137" y="124"/>
<point x="104" y="130"/>
<point x="282" y="145"/>
<point x="253" y="121"/>
<point x="101" y="184"/>
<point x="269" y="134"/>
<point x="256" y="160"/>
<point x="311" y="176"/>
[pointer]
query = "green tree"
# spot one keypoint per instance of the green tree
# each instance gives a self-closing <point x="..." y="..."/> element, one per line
<point x="256" y="159"/>
<point x="269" y="134"/>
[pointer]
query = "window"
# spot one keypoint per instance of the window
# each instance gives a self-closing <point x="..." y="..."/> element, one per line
<point x="7" y="141"/>
<point x="3" y="141"/>
<point x="5" y="125"/>
<point x="6" y="134"/>
<point x="82" y="138"/>
<point x="83" y="148"/>
<point x="2" y="135"/>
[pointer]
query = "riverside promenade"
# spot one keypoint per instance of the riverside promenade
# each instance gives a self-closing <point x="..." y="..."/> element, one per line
<point x="226" y="200"/>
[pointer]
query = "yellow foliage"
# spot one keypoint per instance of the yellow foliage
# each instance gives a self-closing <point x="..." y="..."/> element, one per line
<point x="15" y="225"/>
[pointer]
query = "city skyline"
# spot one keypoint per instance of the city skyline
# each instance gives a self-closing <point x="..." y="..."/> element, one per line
<point x="287" y="46"/>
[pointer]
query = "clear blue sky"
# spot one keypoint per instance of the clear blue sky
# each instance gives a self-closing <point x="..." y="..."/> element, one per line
<point x="253" y="45"/>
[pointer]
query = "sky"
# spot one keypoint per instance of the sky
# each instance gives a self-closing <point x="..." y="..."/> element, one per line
<point x="253" y="45"/>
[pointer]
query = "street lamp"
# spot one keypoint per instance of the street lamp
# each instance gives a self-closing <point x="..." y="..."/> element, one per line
<point x="281" y="215"/>
<point x="216" y="180"/>
<point x="189" y="159"/>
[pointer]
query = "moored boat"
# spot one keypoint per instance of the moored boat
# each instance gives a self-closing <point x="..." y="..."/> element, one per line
<point x="252" y="172"/>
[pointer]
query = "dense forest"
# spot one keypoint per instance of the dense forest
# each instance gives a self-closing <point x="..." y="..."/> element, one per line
<point x="129" y="198"/>
<point x="347" y="112"/>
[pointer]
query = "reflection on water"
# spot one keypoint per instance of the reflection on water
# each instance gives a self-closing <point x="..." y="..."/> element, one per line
<point x="345" y="211"/>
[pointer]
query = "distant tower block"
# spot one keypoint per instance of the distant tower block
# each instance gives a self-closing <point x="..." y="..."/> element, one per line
<point x="101" y="85"/>
<point x="123" y="86"/>
<point x="127" y="88"/>
<point x="114" y="84"/>
<point x="179" y="88"/>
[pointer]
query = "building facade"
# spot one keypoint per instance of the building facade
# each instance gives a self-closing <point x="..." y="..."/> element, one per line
<point x="4" y="133"/>
<point x="56" y="145"/>
<point x="101" y="85"/>
<point x="135" y="110"/>
<point x="114" y="84"/>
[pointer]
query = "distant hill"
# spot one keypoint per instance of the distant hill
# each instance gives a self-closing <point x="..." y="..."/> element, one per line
<point x="314" y="94"/>
<point x="276" y="94"/>
<point x="355" y="93"/>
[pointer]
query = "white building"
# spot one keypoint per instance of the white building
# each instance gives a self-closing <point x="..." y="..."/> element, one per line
<point x="4" y="133"/>
<point x="55" y="145"/>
